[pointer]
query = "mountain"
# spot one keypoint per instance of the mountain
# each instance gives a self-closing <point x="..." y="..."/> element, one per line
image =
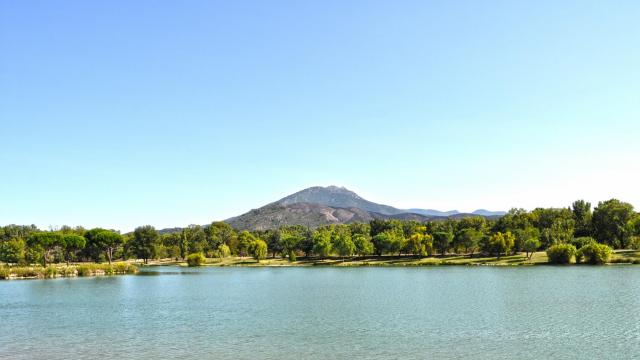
<point x="483" y="212"/>
<point x="337" y="197"/>
<point x="431" y="212"/>
<point x="318" y="206"/>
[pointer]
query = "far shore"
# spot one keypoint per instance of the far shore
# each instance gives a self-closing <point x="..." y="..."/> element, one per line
<point x="620" y="257"/>
<point x="520" y="259"/>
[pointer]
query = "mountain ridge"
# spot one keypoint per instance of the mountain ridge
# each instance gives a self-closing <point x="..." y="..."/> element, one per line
<point x="317" y="205"/>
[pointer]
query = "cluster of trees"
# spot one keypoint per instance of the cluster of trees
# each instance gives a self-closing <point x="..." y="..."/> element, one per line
<point x="612" y="223"/>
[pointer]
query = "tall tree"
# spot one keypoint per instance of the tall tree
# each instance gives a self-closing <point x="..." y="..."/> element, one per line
<point x="442" y="241"/>
<point x="582" y="216"/>
<point x="144" y="240"/>
<point x="72" y="244"/>
<point x="612" y="223"/>
<point x="47" y="242"/>
<point x="108" y="241"/>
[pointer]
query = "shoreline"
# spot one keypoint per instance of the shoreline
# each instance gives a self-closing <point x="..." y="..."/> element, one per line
<point x="620" y="257"/>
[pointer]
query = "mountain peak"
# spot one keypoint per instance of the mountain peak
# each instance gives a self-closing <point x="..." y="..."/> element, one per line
<point x="338" y="197"/>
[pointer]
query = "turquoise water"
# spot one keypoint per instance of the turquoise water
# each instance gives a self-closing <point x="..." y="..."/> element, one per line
<point x="327" y="313"/>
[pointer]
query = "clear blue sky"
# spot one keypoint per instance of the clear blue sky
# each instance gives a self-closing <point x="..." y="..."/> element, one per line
<point x="123" y="113"/>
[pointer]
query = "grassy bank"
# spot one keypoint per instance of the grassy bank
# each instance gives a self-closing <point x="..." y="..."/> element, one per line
<point x="55" y="271"/>
<point x="538" y="258"/>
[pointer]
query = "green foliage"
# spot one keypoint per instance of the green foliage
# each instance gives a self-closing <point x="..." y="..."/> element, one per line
<point x="595" y="253"/>
<point x="582" y="216"/>
<point x="196" y="259"/>
<point x="258" y="249"/>
<point x="289" y="240"/>
<point x="144" y="241"/>
<point x="579" y="242"/>
<point x="530" y="246"/>
<point x="468" y="239"/>
<point x="442" y="241"/>
<point x="46" y="242"/>
<point x="341" y="241"/>
<point x="561" y="253"/>
<point x="419" y="244"/>
<point x="224" y="251"/>
<point x="389" y="241"/>
<point x="245" y="239"/>
<point x="613" y="223"/>
<point x="12" y="251"/>
<point x="363" y="244"/>
<point x="321" y="239"/>
<point x="500" y="243"/>
<point x="50" y="272"/>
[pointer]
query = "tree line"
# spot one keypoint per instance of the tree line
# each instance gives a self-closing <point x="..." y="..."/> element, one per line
<point x="612" y="224"/>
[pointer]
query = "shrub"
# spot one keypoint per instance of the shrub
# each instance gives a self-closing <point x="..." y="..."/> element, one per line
<point x="84" y="270"/>
<point x="68" y="271"/>
<point x="579" y="242"/>
<point x="561" y="253"/>
<point x="50" y="272"/>
<point x="595" y="253"/>
<point x="4" y="273"/>
<point x="196" y="259"/>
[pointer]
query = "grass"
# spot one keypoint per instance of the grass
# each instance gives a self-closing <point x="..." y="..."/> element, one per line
<point x="387" y="260"/>
<point x="60" y="270"/>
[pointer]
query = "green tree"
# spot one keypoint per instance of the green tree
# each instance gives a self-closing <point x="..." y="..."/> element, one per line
<point x="289" y="241"/>
<point x="12" y="251"/>
<point x="612" y="223"/>
<point x="221" y="233"/>
<point x="530" y="246"/>
<point x="363" y="244"/>
<point x="47" y="242"/>
<point x="108" y="241"/>
<point x="224" y="251"/>
<point x="72" y="244"/>
<point x="500" y="243"/>
<point x="442" y="241"/>
<point x="419" y="244"/>
<point x="525" y="235"/>
<point x="245" y="239"/>
<point x="467" y="239"/>
<point x="341" y="241"/>
<point x="258" y="249"/>
<point x="144" y="241"/>
<point x="322" y="242"/>
<point x="582" y="216"/>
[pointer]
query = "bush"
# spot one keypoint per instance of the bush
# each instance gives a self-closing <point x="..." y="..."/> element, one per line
<point x="4" y="273"/>
<point x="595" y="253"/>
<point x="50" y="272"/>
<point x="196" y="259"/>
<point x="84" y="270"/>
<point x="561" y="253"/>
<point x="580" y="242"/>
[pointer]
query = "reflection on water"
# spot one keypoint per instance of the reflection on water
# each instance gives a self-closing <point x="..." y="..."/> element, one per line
<point x="320" y="313"/>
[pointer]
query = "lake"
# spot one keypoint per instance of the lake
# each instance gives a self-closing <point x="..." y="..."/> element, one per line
<point x="327" y="313"/>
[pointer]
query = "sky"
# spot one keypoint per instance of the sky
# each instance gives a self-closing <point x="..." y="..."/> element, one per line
<point x="124" y="113"/>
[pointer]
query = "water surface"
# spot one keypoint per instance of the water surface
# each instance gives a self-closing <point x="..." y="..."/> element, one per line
<point x="327" y="313"/>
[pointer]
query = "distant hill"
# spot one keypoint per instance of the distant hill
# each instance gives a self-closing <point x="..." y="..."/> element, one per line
<point x="318" y="205"/>
<point x="337" y="197"/>
<point x="483" y="212"/>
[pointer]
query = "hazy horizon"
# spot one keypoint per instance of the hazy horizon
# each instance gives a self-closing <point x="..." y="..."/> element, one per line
<point x="121" y="114"/>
